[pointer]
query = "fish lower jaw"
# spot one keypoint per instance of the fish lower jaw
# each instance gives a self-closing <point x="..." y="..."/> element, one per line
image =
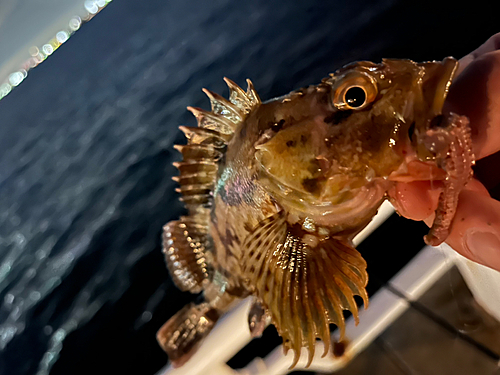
<point x="338" y="217"/>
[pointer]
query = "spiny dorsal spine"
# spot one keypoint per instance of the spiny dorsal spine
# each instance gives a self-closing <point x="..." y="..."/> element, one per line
<point x="207" y="144"/>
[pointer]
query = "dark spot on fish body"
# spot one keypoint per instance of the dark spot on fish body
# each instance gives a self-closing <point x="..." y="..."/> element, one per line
<point x="311" y="185"/>
<point x="243" y="131"/>
<point x="291" y="143"/>
<point x="296" y="230"/>
<point x="230" y="238"/>
<point x="304" y="139"/>
<point x="248" y="227"/>
<point x="237" y="290"/>
<point x="314" y="168"/>
<point x="374" y="139"/>
<point x="338" y="116"/>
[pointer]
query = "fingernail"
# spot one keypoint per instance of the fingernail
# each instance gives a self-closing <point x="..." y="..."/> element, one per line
<point x="484" y="246"/>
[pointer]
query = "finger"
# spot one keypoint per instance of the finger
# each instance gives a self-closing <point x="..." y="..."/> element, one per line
<point x="415" y="200"/>
<point x="476" y="94"/>
<point x="475" y="231"/>
<point x="418" y="200"/>
<point x="492" y="44"/>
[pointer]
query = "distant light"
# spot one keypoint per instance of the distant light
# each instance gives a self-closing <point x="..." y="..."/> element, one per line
<point x="48" y="49"/>
<point x="54" y="43"/>
<point x="5" y="89"/>
<point x="75" y="23"/>
<point x="40" y="54"/>
<point x="16" y="78"/>
<point x="91" y="6"/>
<point x="34" y="51"/>
<point x="62" y="36"/>
<point x="39" y="58"/>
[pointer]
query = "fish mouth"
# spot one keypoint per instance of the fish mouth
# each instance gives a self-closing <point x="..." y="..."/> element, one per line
<point x="436" y="82"/>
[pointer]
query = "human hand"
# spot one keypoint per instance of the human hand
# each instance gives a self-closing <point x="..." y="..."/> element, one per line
<point x="475" y="93"/>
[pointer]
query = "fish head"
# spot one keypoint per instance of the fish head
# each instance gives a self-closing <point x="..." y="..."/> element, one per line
<point x="333" y="142"/>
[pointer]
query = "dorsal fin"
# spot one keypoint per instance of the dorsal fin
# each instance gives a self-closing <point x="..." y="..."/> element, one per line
<point x="201" y="136"/>
<point x="207" y="143"/>
<point x="197" y="177"/>
<point x="245" y="101"/>
<point x="213" y="121"/>
<point x="224" y="108"/>
<point x="199" y="152"/>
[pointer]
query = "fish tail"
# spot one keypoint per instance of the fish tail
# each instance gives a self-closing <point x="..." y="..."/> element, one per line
<point x="182" y="334"/>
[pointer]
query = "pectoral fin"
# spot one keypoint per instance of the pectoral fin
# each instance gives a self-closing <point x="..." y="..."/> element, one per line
<point x="185" y="245"/>
<point x="304" y="288"/>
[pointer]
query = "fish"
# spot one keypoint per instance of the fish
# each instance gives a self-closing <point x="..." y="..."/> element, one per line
<point x="276" y="191"/>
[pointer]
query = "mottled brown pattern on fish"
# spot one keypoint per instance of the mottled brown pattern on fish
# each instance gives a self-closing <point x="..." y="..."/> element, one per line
<point x="232" y="223"/>
<point x="277" y="190"/>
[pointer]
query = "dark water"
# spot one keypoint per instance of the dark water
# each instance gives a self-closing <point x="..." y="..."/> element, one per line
<point x="86" y="151"/>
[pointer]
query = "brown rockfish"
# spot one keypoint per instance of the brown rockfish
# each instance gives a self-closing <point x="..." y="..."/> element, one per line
<point x="276" y="191"/>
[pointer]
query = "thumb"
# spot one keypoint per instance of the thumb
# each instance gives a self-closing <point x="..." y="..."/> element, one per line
<point x="475" y="232"/>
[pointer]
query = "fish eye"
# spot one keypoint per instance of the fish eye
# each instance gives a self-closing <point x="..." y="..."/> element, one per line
<point x="355" y="91"/>
<point x="355" y="96"/>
